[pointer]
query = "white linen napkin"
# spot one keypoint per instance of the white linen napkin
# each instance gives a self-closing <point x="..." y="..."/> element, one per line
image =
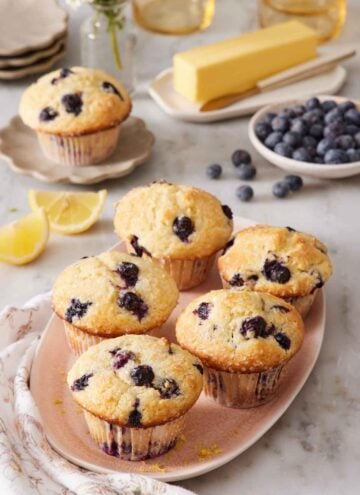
<point x="28" y="464"/>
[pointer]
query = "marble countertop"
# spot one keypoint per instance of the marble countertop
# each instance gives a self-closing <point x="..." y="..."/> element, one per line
<point x="316" y="444"/>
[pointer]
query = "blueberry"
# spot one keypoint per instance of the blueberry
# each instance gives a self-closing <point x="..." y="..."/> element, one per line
<point x="324" y="145"/>
<point x="334" y="156"/>
<point x="346" y="105"/>
<point x="134" y="304"/>
<point x="288" y="113"/>
<point x="47" y="113"/>
<point x="139" y="250"/>
<point x="81" y="383"/>
<point x="199" y="368"/>
<point x="334" y="129"/>
<point x="309" y="142"/>
<point x="203" y="310"/>
<point x="214" y="171"/>
<point x="246" y="172"/>
<point x="273" y="139"/>
<point x="318" y="159"/>
<point x="299" y="110"/>
<point x="275" y="271"/>
<point x="328" y="105"/>
<point x="317" y="131"/>
<point x="244" y="193"/>
<point x="183" y="227"/>
<point x="283" y="149"/>
<point x="72" y="103"/>
<point x="333" y="116"/>
<point x="65" y="72"/>
<point x="294" y="182"/>
<point x="236" y="280"/>
<point x="143" y="375"/>
<point x="129" y="272"/>
<point x="76" y="309"/>
<point x="292" y="139"/>
<point x="352" y="129"/>
<point x="227" y="211"/>
<point x="352" y="116"/>
<point x="300" y="126"/>
<point x="345" y="142"/>
<point x="283" y="340"/>
<point x="312" y="117"/>
<point x="120" y="358"/>
<point x="253" y="327"/>
<point x="168" y="388"/>
<point x="280" y="189"/>
<point x="301" y="155"/>
<point x="280" y="124"/>
<point x="312" y="103"/>
<point x="269" y="117"/>
<point x="239" y="157"/>
<point x="110" y="88"/>
<point x="357" y="139"/>
<point x="262" y="130"/>
<point x="354" y="155"/>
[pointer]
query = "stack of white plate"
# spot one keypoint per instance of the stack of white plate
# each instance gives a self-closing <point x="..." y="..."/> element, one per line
<point x="32" y="36"/>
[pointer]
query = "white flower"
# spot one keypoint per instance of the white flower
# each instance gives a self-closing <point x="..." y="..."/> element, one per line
<point x="77" y="3"/>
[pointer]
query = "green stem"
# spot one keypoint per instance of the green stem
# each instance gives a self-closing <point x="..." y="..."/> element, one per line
<point x="115" y="46"/>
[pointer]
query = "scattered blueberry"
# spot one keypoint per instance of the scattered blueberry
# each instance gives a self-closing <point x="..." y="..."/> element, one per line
<point x="244" y="193"/>
<point x="76" y="309"/>
<point x="280" y="124"/>
<point x="275" y="271"/>
<point x="239" y="157"/>
<point x="280" y="189"/>
<point x="284" y="149"/>
<point x="133" y="303"/>
<point x="294" y="182"/>
<point x="214" y="171"/>
<point x="237" y="280"/>
<point x="273" y="139"/>
<point x="139" y="250"/>
<point x="227" y="211"/>
<point x="301" y="155"/>
<point x="283" y="340"/>
<point x="143" y="375"/>
<point x="72" y="103"/>
<point x="292" y="139"/>
<point x="183" y="227"/>
<point x="312" y="103"/>
<point x="246" y="172"/>
<point x="81" y="383"/>
<point x="168" y="388"/>
<point x="129" y="272"/>
<point x="47" y="113"/>
<point x="335" y="156"/>
<point x="262" y="130"/>
<point x="203" y="310"/>
<point x="110" y="88"/>
<point x="253" y="327"/>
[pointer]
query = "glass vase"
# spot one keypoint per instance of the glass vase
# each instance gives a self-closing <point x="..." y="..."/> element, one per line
<point x="108" y="41"/>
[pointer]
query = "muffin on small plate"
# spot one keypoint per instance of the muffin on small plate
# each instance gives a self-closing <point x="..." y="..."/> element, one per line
<point x="112" y="294"/>
<point x="76" y="113"/>
<point x="278" y="260"/>
<point x="244" y="339"/>
<point x="135" y="391"/>
<point x="179" y="226"/>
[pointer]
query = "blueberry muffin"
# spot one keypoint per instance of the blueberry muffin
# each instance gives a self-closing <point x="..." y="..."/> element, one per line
<point x="135" y="391"/>
<point x="110" y="295"/>
<point x="181" y="227"/>
<point x="77" y="114"/>
<point x="244" y="339"/>
<point x="278" y="260"/>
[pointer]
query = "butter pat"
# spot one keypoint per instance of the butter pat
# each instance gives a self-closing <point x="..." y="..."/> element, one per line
<point x="237" y="64"/>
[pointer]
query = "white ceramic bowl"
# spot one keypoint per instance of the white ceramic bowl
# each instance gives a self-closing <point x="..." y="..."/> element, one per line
<point x="303" y="168"/>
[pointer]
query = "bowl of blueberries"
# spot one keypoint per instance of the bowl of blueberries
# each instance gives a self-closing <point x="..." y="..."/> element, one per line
<point x="319" y="137"/>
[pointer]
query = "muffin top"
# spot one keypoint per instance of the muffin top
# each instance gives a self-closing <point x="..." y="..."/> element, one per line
<point x="172" y="220"/>
<point x="240" y="330"/>
<point x="114" y="293"/>
<point x="278" y="260"/>
<point x="74" y="101"/>
<point x="136" y="380"/>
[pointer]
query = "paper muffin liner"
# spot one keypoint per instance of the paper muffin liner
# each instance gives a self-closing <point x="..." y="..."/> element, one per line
<point x="134" y="444"/>
<point x="82" y="150"/>
<point x="242" y="390"/>
<point x="186" y="273"/>
<point x="301" y="303"/>
<point x="78" y="340"/>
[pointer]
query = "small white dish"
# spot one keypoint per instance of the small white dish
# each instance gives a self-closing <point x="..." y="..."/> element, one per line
<point x="162" y="91"/>
<point x="20" y="149"/>
<point x="303" y="168"/>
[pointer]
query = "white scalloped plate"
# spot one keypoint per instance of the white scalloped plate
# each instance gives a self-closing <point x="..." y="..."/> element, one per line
<point x="228" y="432"/>
<point x="20" y="149"/>
<point x="311" y="169"/>
<point x="32" y="57"/>
<point x="162" y="91"/>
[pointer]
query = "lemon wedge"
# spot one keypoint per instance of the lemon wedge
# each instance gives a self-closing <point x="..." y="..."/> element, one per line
<point x="25" y="239"/>
<point x="69" y="212"/>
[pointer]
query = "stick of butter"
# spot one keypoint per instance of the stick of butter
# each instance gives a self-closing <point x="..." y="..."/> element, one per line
<point x="237" y="64"/>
